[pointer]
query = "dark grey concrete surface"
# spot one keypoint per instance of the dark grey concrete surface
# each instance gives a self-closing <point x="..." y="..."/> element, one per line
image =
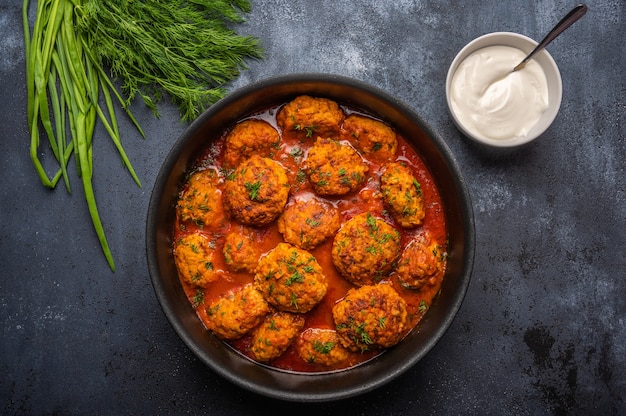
<point x="542" y="330"/>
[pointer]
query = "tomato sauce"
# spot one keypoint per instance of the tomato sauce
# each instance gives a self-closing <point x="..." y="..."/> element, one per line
<point x="291" y="155"/>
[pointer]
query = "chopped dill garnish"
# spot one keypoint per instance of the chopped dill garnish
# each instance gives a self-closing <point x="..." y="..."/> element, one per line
<point x="253" y="189"/>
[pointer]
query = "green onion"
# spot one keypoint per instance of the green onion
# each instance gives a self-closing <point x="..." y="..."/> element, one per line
<point x="60" y="77"/>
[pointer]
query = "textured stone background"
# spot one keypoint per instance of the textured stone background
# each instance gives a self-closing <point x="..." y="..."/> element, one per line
<point x="542" y="329"/>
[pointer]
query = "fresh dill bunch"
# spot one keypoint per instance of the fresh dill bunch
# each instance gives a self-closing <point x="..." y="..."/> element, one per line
<point x="184" y="49"/>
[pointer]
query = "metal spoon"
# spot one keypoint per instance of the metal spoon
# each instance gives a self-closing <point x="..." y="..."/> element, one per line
<point x="569" y="19"/>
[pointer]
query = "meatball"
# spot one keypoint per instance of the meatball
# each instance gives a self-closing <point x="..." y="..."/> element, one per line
<point x="374" y="139"/>
<point x="236" y="313"/>
<point x="307" y="223"/>
<point x="241" y="251"/>
<point x="250" y="137"/>
<point x="334" y="168"/>
<point x="422" y="263"/>
<point x="256" y="193"/>
<point x="402" y="194"/>
<point x="309" y="117"/>
<point x="274" y="335"/>
<point x="371" y="317"/>
<point x="201" y="200"/>
<point x="194" y="257"/>
<point x="290" y="279"/>
<point x="365" y="249"/>
<point x="321" y="346"/>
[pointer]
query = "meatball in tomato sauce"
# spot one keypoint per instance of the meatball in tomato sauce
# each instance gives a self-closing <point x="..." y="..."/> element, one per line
<point x="402" y="194"/>
<point x="309" y="117"/>
<point x="200" y="201"/>
<point x="275" y="335"/>
<point x="308" y="222"/>
<point x="257" y="191"/>
<point x="321" y="347"/>
<point x="422" y="263"/>
<point x="250" y="137"/>
<point x="374" y="139"/>
<point x="370" y="317"/>
<point x="237" y="312"/>
<point x="194" y="257"/>
<point x="365" y="248"/>
<point x="335" y="168"/>
<point x="290" y="279"/>
<point x="241" y="249"/>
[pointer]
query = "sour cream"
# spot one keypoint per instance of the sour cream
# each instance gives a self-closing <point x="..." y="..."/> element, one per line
<point x="491" y="101"/>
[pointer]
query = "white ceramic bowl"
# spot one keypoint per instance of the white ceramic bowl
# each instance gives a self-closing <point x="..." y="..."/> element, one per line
<point x="543" y="58"/>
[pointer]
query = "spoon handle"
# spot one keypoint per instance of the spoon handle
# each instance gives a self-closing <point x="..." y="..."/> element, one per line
<point x="569" y="19"/>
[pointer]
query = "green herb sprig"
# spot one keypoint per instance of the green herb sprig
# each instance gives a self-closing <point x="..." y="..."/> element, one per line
<point x="181" y="48"/>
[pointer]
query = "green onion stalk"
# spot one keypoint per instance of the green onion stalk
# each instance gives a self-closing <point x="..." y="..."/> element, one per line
<point x="182" y="49"/>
